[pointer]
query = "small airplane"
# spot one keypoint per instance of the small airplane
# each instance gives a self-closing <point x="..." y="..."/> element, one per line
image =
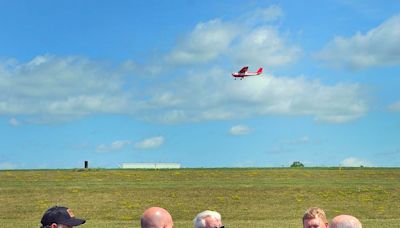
<point x="244" y="73"/>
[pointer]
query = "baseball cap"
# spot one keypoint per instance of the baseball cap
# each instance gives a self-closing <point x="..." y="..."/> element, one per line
<point x="60" y="215"/>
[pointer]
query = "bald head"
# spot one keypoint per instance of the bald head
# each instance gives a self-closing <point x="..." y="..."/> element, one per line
<point x="345" y="221"/>
<point x="156" y="217"/>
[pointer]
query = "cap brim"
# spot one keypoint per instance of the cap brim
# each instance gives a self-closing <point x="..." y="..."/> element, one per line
<point x="74" y="222"/>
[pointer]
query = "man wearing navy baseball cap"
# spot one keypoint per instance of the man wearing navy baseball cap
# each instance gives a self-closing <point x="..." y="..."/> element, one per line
<point x="60" y="217"/>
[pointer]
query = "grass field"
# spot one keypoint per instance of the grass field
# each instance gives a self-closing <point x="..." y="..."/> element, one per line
<point x="271" y="197"/>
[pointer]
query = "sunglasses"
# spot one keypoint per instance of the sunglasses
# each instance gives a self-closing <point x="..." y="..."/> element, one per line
<point x="219" y="227"/>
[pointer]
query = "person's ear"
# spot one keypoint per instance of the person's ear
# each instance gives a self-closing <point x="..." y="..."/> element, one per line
<point x="326" y="225"/>
<point x="53" y="225"/>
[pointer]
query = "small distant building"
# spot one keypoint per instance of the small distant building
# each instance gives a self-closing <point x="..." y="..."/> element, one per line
<point x="150" y="165"/>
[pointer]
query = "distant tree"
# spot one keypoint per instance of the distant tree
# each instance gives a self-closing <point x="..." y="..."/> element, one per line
<point x="297" y="164"/>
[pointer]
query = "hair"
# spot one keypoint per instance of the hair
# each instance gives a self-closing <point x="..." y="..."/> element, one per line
<point x="199" y="221"/>
<point x="315" y="212"/>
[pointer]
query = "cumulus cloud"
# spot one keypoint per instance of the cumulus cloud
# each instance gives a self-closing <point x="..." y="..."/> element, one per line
<point x="114" y="146"/>
<point x="264" y="46"/>
<point x="213" y="96"/>
<point x="254" y="37"/>
<point x="240" y="130"/>
<point x="150" y="143"/>
<point x="204" y="43"/>
<point x="56" y="87"/>
<point x="377" y="47"/>
<point x="354" y="162"/>
<point x="51" y="89"/>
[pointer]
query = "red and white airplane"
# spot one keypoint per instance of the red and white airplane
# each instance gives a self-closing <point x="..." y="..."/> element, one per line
<point x="244" y="73"/>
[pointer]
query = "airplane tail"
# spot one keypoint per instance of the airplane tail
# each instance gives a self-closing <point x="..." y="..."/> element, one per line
<point x="260" y="70"/>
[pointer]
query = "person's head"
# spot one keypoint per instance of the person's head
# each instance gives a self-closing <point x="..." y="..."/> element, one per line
<point x="345" y="221"/>
<point x="315" y="217"/>
<point x="156" y="217"/>
<point x="208" y="219"/>
<point x="60" y="217"/>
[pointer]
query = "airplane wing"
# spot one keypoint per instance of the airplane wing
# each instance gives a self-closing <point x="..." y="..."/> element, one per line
<point x="244" y="70"/>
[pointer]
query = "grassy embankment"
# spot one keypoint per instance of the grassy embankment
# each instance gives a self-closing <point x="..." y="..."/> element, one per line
<point x="245" y="197"/>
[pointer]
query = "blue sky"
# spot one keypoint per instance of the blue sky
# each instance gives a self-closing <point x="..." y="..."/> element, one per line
<point x="149" y="81"/>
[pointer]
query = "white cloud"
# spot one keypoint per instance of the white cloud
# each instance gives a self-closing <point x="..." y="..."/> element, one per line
<point x="240" y="130"/>
<point x="395" y="107"/>
<point x="60" y="88"/>
<point x="38" y="60"/>
<point x="8" y="165"/>
<point x="354" y="162"/>
<point x="215" y="96"/>
<point x="251" y="39"/>
<point x="378" y="47"/>
<point x="269" y="14"/>
<point x="204" y="43"/>
<point x="264" y="46"/>
<point x="114" y="146"/>
<point x="150" y="143"/>
<point x="14" y="122"/>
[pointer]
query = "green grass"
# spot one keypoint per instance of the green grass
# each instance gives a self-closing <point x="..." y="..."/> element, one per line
<point x="272" y="197"/>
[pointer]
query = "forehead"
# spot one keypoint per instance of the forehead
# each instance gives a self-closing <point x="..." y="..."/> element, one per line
<point x="64" y="226"/>
<point x="315" y="221"/>
<point x="211" y="221"/>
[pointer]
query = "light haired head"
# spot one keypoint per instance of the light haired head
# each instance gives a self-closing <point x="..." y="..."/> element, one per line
<point x="345" y="221"/>
<point x="207" y="219"/>
<point x="315" y="217"/>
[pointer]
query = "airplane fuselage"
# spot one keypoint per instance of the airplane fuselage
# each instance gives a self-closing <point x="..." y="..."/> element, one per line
<point x="247" y="74"/>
